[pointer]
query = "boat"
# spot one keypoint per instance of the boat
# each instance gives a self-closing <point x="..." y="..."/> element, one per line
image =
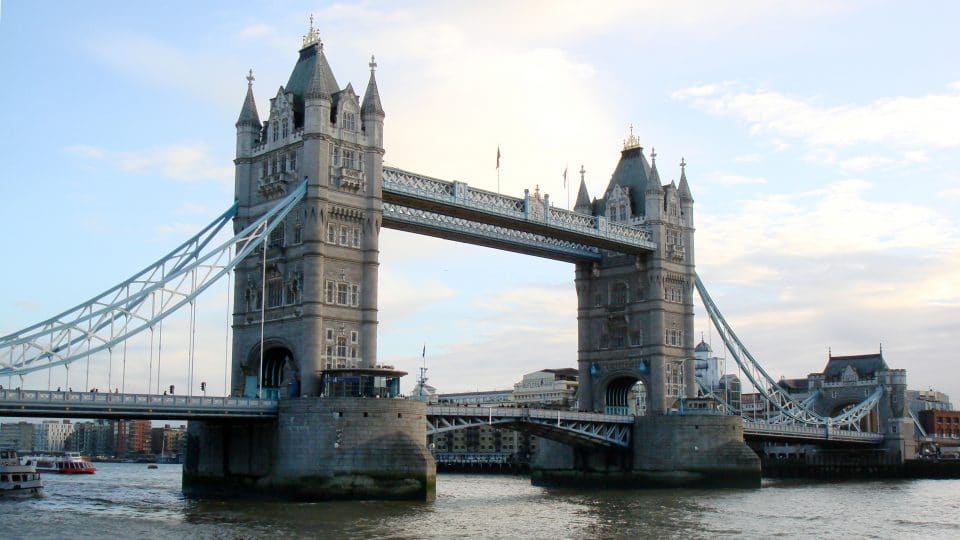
<point x="16" y="480"/>
<point x="67" y="463"/>
<point x="152" y="466"/>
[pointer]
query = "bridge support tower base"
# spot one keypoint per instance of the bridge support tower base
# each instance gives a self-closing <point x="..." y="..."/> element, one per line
<point x="668" y="451"/>
<point x="317" y="449"/>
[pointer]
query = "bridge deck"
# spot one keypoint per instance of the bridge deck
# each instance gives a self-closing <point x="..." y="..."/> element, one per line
<point x="431" y="206"/>
<point x="789" y="432"/>
<point x="48" y="404"/>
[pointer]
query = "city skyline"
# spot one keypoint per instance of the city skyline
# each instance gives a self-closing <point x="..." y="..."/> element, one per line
<point x="818" y="152"/>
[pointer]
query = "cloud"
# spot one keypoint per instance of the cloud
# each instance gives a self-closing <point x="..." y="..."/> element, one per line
<point x="837" y="219"/>
<point x="747" y="158"/>
<point x="181" y="162"/>
<point x="914" y="122"/>
<point x="736" y="180"/>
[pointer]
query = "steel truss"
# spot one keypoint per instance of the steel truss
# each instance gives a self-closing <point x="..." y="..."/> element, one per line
<point x="142" y="301"/>
<point x="566" y="426"/>
<point x="789" y="409"/>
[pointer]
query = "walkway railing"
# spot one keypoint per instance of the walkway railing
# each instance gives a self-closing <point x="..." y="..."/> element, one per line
<point x="52" y="404"/>
<point x="796" y="431"/>
<point x="405" y="187"/>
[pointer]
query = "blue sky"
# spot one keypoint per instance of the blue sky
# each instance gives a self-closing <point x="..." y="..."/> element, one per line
<point x="821" y="141"/>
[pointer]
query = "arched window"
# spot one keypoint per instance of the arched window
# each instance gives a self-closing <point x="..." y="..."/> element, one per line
<point x="619" y="293"/>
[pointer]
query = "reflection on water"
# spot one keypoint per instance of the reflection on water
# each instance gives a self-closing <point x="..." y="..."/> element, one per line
<point x="129" y="500"/>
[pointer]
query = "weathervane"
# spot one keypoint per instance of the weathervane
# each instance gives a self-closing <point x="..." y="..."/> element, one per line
<point x="313" y="36"/>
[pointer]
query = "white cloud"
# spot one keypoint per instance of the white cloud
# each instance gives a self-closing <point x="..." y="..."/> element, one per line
<point x="180" y="162"/>
<point x="736" y="180"/>
<point x="747" y="158"/>
<point x="926" y="121"/>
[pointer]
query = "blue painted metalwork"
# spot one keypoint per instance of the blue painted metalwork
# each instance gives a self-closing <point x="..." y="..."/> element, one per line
<point x="527" y="214"/>
<point x="177" y="279"/>
<point x="402" y="217"/>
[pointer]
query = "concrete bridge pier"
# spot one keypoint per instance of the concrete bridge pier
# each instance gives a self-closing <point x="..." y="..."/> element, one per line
<point x="317" y="449"/>
<point x="668" y="451"/>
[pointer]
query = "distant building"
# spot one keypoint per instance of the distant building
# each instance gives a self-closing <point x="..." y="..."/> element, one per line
<point x="547" y="389"/>
<point x="728" y="389"/>
<point x="94" y="439"/>
<point x="132" y="437"/>
<point x="709" y="368"/>
<point x="928" y="400"/>
<point x="167" y="443"/>
<point x="18" y="436"/>
<point x="51" y="436"/>
<point x="940" y="423"/>
<point x="490" y="398"/>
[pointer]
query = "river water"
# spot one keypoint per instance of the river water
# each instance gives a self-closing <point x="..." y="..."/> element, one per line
<point x="131" y="501"/>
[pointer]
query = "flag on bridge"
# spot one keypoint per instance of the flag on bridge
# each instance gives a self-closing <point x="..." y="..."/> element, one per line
<point x="565" y="167"/>
<point x="498" y="156"/>
<point x="424" y="355"/>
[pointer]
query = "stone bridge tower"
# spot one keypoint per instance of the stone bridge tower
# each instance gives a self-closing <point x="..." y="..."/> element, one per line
<point x="317" y="290"/>
<point x="635" y="313"/>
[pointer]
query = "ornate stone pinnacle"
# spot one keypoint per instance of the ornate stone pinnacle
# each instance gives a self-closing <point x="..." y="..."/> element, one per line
<point x="373" y="63"/>
<point x="632" y="141"/>
<point x="250" y="78"/>
<point x="312" y="36"/>
<point x="582" y="172"/>
<point x="653" y="156"/>
<point x="683" y="163"/>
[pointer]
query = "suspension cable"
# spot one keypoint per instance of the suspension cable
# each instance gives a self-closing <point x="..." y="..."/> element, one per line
<point x="226" y="336"/>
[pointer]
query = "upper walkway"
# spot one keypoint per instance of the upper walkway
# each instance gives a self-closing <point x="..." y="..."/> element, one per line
<point x="530" y="225"/>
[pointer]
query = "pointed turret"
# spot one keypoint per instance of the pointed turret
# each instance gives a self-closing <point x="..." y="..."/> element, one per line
<point x="248" y="114"/>
<point x="371" y="98"/>
<point x="653" y="181"/>
<point x="685" y="194"/>
<point x="583" y="205"/>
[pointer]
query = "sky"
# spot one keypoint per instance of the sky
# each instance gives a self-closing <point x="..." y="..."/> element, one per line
<point x="821" y="140"/>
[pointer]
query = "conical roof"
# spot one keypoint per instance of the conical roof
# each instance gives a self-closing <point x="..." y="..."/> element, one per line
<point x="312" y="61"/>
<point x="583" y="199"/>
<point x="248" y="113"/>
<point x="685" y="194"/>
<point x="371" y="98"/>
<point x="632" y="171"/>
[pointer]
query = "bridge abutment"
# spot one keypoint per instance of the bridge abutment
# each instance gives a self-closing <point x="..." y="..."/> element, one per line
<point x="668" y="451"/>
<point x="316" y="449"/>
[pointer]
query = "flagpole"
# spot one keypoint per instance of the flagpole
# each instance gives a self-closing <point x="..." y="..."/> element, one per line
<point x="566" y="185"/>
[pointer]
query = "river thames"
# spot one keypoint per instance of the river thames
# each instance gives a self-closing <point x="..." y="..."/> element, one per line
<point x="132" y="501"/>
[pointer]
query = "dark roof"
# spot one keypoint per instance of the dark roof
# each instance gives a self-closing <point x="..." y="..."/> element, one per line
<point x="248" y="114"/>
<point x="703" y="346"/>
<point x="632" y="171"/>
<point x="793" y="384"/>
<point x="371" y="98"/>
<point x="299" y="81"/>
<point x="866" y="366"/>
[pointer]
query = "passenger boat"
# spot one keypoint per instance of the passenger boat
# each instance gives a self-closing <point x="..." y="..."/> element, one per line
<point x="18" y="480"/>
<point x="68" y="463"/>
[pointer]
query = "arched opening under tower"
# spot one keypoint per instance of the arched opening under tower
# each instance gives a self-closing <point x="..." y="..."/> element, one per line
<point x="626" y="396"/>
<point x="278" y="375"/>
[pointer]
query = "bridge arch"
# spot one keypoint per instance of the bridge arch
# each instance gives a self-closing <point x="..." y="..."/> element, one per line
<point x="281" y="369"/>
<point x="624" y="392"/>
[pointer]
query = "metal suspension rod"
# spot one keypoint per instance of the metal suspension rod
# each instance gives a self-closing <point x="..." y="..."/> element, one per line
<point x="226" y="337"/>
<point x="31" y="354"/>
<point x="784" y="403"/>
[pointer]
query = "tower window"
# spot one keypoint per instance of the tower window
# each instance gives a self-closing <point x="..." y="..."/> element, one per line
<point x="343" y="294"/>
<point x="331" y="234"/>
<point x="285" y="128"/>
<point x="330" y="291"/>
<point x="274" y="291"/>
<point x="298" y="229"/>
<point x="329" y="334"/>
<point x="293" y="161"/>
<point x="354" y="337"/>
<point x="276" y="131"/>
<point x="356" y="237"/>
<point x="344" y="234"/>
<point x="350" y="121"/>
<point x="354" y="295"/>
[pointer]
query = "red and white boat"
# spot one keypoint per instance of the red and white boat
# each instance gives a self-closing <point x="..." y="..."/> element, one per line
<point x="67" y="463"/>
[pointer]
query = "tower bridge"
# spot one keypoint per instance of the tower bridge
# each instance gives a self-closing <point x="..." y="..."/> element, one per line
<point x="312" y="195"/>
